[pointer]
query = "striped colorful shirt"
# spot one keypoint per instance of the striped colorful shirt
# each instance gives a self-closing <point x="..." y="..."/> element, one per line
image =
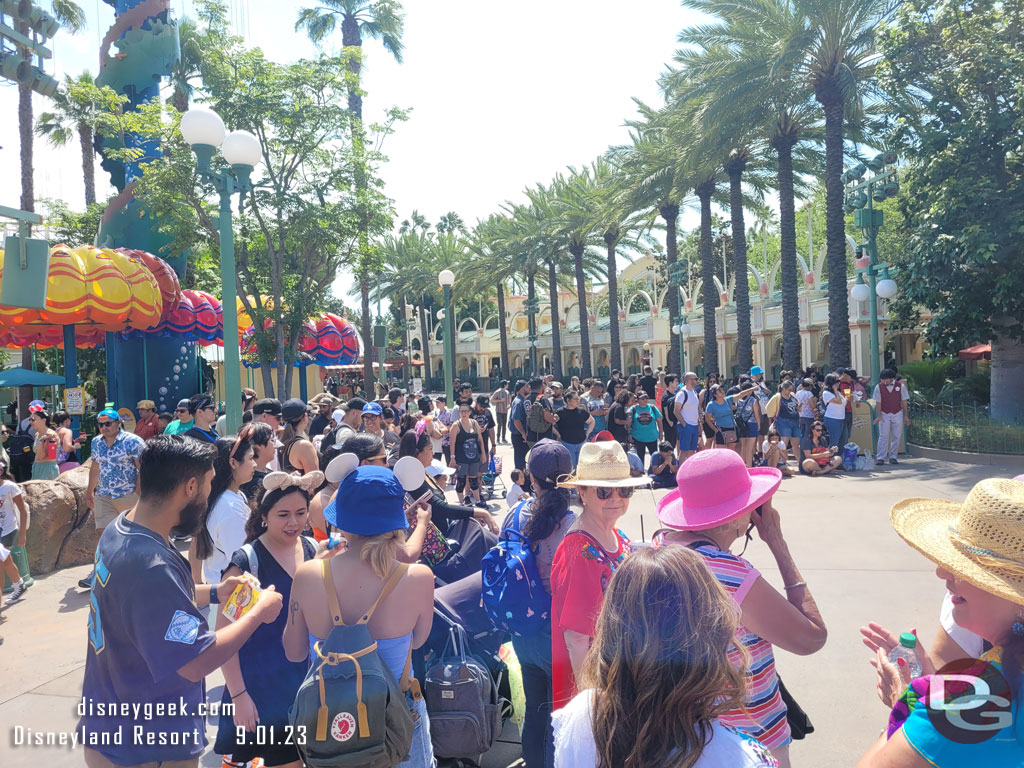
<point x="764" y="713"/>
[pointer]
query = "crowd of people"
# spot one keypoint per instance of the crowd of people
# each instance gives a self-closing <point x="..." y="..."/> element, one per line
<point x="315" y="502"/>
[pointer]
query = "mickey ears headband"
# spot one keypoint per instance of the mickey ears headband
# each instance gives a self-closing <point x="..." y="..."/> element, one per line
<point x="408" y="470"/>
<point x="278" y="480"/>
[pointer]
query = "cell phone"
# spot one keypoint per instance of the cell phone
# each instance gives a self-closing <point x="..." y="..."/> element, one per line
<point x="759" y="510"/>
<point x="422" y="498"/>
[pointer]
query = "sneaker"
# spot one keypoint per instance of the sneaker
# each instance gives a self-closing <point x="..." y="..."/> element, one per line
<point x="880" y="463"/>
<point x="482" y="505"/>
<point x="893" y="461"/>
<point x="18" y="591"/>
<point x="86" y="583"/>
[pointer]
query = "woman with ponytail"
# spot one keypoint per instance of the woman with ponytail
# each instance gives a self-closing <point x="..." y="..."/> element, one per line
<point x="544" y="520"/>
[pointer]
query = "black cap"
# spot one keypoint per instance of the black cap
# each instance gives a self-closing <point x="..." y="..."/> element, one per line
<point x="293" y="410"/>
<point x="269" y="405"/>
<point x="355" y="404"/>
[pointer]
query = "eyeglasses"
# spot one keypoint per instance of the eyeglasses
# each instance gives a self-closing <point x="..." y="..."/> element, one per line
<point x="103" y="424"/>
<point x="606" y="493"/>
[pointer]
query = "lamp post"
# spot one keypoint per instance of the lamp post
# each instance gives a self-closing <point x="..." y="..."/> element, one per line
<point x="532" y="307"/>
<point x="678" y="276"/>
<point x="446" y="278"/>
<point x="204" y="130"/>
<point x="861" y="193"/>
<point x="682" y="330"/>
<point x="409" y="323"/>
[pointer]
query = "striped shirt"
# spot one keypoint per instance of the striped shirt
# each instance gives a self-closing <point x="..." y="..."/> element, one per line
<point x="764" y="712"/>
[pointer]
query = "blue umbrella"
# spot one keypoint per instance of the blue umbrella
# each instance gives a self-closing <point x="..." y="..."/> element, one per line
<point x="22" y="377"/>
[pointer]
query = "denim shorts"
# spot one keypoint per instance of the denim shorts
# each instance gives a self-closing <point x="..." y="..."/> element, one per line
<point x="688" y="434"/>
<point x="421" y="751"/>
<point x="788" y="428"/>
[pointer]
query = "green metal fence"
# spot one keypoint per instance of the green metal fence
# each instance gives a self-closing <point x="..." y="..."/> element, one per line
<point x="963" y="428"/>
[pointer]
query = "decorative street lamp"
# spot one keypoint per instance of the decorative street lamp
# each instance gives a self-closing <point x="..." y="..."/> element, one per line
<point x="861" y="194"/>
<point x="446" y="278"/>
<point x="682" y="330"/>
<point x="532" y="307"/>
<point x="204" y="130"/>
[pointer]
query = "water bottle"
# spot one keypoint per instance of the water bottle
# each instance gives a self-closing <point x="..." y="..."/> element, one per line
<point x="907" y="650"/>
<point x="492" y="466"/>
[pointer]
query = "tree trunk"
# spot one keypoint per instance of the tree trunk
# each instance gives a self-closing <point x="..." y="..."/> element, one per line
<point x="28" y="199"/>
<point x="179" y="100"/>
<point x="789" y="276"/>
<point x="835" y="229"/>
<point x="670" y="213"/>
<point x="707" y="273"/>
<point x="581" y="299"/>
<point x="744" y="343"/>
<point x="531" y="297"/>
<point x="267" y="374"/>
<point x="425" y="341"/>
<point x="556" y="332"/>
<point x="1007" y="386"/>
<point x="88" y="168"/>
<point x="503" y="332"/>
<point x="611" y="239"/>
<point x="366" y="332"/>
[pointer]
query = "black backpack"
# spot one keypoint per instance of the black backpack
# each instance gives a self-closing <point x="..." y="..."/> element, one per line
<point x="19" y="448"/>
<point x="668" y="407"/>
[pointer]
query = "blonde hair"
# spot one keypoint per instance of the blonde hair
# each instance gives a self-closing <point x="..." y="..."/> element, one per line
<point x="379" y="551"/>
<point x="660" y="662"/>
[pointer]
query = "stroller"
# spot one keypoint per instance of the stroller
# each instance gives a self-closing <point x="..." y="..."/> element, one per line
<point x="458" y="611"/>
<point x="492" y="478"/>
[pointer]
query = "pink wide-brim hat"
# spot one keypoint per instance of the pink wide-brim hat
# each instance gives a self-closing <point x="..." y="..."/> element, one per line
<point x="715" y="487"/>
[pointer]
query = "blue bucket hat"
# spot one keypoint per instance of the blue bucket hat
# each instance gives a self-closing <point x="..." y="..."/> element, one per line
<point x="109" y="413"/>
<point x="369" y="501"/>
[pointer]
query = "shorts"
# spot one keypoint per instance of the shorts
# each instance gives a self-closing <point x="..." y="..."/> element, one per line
<point x="472" y="469"/>
<point x="105" y="509"/>
<point x="788" y="428"/>
<point x="688" y="435"/>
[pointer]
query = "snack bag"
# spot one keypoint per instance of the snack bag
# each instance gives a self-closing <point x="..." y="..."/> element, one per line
<point x="243" y="598"/>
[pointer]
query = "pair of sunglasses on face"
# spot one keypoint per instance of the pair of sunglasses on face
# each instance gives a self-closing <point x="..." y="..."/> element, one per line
<point x="606" y="493"/>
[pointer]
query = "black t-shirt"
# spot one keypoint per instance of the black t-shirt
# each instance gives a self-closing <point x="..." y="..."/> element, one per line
<point x="318" y="425"/>
<point x="206" y="435"/>
<point x="668" y="409"/>
<point x="484" y="419"/>
<point x="649" y="385"/>
<point x="807" y="444"/>
<point x="618" y="411"/>
<point x="572" y="424"/>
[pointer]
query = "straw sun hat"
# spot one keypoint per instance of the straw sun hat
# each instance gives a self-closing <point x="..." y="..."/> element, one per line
<point x="604" y="465"/>
<point x="981" y="540"/>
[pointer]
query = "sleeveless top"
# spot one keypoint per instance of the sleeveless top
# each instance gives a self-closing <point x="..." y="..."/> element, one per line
<point x="284" y="456"/>
<point x="467" y="445"/>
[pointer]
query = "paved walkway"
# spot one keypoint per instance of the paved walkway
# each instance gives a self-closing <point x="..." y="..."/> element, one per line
<point x="839" y="534"/>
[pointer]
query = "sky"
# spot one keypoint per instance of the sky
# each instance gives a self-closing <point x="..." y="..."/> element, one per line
<point x="503" y="95"/>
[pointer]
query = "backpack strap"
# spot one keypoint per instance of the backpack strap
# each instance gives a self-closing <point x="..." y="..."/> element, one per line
<point x="408" y="682"/>
<point x="254" y="563"/>
<point x="396" y="575"/>
<point x="332" y="595"/>
<point x="515" y="519"/>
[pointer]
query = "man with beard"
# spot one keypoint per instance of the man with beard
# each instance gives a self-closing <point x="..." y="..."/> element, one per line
<point x="150" y="647"/>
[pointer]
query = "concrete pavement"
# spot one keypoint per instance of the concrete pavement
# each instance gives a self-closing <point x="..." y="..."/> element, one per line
<point x="838" y="531"/>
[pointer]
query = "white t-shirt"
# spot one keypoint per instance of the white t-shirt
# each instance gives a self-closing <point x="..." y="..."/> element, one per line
<point x="8" y="512"/>
<point x="515" y="493"/>
<point x="973" y="644"/>
<point x="835" y="407"/>
<point x="574" y="742"/>
<point x="690" y="406"/>
<point x="226" y="525"/>
<point x="805" y="402"/>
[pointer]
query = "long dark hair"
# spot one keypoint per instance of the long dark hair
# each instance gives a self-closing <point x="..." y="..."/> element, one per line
<point x="548" y="510"/>
<point x="257" y="522"/>
<point x="222" y="477"/>
<point x="412" y="444"/>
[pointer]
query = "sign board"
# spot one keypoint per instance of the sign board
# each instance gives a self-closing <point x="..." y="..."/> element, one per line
<point x="127" y="419"/>
<point x="417" y="385"/>
<point x="74" y="401"/>
<point x="25" y="273"/>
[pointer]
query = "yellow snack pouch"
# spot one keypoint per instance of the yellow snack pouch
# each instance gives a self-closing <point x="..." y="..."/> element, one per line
<point x="243" y="598"/>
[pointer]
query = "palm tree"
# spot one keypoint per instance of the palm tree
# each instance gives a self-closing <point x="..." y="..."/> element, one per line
<point x="71" y="116"/>
<point x="187" y="67"/>
<point x="451" y="222"/>
<point x="493" y="246"/>
<point x="381" y="20"/>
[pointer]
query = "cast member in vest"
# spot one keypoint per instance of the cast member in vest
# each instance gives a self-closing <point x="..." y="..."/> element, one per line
<point x="891" y="396"/>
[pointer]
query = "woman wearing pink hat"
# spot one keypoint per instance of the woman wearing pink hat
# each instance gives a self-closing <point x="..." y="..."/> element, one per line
<point x="719" y="500"/>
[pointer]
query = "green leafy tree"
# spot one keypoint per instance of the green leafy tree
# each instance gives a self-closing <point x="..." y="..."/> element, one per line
<point x="379" y="20"/>
<point x="71" y="116"/>
<point x="953" y="72"/>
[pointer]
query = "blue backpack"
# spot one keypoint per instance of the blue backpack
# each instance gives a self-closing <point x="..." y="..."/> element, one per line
<point x="513" y="593"/>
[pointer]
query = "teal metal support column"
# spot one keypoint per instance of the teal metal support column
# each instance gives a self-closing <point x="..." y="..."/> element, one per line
<point x="303" y="386"/>
<point x="70" y="370"/>
<point x="232" y="358"/>
<point x="449" y="348"/>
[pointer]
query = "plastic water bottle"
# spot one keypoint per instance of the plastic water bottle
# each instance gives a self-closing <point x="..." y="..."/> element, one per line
<point x="907" y="650"/>
<point x="492" y="466"/>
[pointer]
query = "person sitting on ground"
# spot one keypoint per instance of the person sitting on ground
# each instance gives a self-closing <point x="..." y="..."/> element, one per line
<point x="516" y="492"/>
<point x="774" y="452"/>
<point x="297" y="453"/>
<point x="673" y="668"/>
<point x="664" y="466"/>
<point x="976" y="548"/>
<point x="816" y="456"/>
<point x="719" y="500"/>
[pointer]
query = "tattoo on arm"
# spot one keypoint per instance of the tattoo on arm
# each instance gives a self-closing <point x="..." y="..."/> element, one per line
<point x="294" y="610"/>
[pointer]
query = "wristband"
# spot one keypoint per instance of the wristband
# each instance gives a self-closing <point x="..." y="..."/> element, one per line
<point x="794" y="586"/>
<point x="238" y="694"/>
<point x="214" y="597"/>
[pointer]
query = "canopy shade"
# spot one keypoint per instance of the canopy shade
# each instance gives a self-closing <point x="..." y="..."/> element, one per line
<point x="22" y="377"/>
<point x="977" y="352"/>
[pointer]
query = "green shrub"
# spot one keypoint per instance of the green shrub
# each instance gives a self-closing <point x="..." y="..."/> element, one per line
<point x="927" y="377"/>
<point x="970" y="389"/>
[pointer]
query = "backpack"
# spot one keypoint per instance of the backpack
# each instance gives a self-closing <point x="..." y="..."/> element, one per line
<point x="19" y="448"/>
<point x="668" y="402"/>
<point x="513" y="592"/>
<point x="462" y="701"/>
<point x="746" y="410"/>
<point x="352" y="709"/>
<point x="535" y="421"/>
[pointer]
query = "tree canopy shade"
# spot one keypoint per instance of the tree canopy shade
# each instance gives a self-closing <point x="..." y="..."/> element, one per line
<point x="953" y="72"/>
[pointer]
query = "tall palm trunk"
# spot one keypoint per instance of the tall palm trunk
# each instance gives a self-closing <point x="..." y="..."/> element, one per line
<point x="744" y="344"/>
<point x="503" y="332"/>
<point x="670" y="213"/>
<point x="581" y="298"/>
<point x="707" y="273"/>
<point x="835" y="227"/>
<point x="28" y="198"/>
<point x="364" y="308"/>
<point x="531" y="297"/>
<point x="425" y="341"/>
<point x="88" y="167"/>
<point x="611" y="239"/>
<point x="787" y="232"/>
<point x="556" y="333"/>
<point x="179" y="100"/>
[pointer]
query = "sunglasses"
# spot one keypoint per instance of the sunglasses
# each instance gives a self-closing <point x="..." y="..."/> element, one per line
<point x="103" y="424"/>
<point x="606" y="493"/>
<point x="181" y="410"/>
